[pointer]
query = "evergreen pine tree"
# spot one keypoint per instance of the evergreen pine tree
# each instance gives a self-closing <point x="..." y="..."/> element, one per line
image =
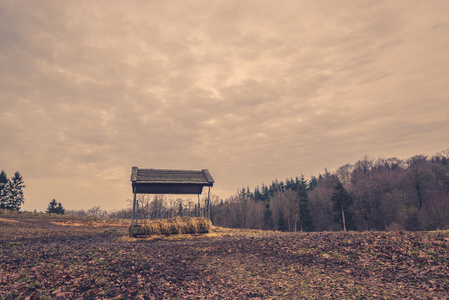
<point x="14" y="192"/>
<point x="342" y="202"/>
<point x="282" y="225"/>
<point x="52" y="206"/>
<point x="290" y="184"/>
<point x="257" y="194"/>
<point x="60" y="209"/>
<point x="305" y="219"/>
<point x="265" y="193"/>
<point x="312" y="183"/>
<point x="268" y="218"/>
<point x="249" y="195"/>
<point x="8" y="199"/>
<point x="55" y="208"/>
<point x="3" y="189"/>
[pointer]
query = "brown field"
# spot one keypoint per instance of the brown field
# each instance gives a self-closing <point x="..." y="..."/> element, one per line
<point x="54" y="257"/>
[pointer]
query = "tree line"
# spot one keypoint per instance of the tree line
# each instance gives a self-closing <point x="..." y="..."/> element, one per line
<point x="371" y="194"/>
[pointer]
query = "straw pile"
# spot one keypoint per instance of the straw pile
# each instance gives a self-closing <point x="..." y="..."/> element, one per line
<point x="179" y="225"/>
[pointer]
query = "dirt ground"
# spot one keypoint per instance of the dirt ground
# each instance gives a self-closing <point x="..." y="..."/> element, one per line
<point x="45" y="257"/>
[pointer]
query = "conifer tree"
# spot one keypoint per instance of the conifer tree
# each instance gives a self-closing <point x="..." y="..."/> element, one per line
<point x="305" y="219"/>
<point x="3" y="189"/>
<point x="60" y="209"/>
<point x="282" y="225"/>
<point x="342" y="202"/>
<point x="268" y="218"/>
<point x="55" y="208"/>
<point x="312" y="183"/>
<point x="257" y="194"/>
<point x="12" y="192"/>
<point x="265" y="192"/>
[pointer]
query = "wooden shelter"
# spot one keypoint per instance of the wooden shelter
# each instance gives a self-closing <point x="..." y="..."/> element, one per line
<point x="161" y="181"/>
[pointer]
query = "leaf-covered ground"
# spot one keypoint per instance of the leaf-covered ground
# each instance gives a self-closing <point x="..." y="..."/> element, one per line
<point x="42" y="257"/>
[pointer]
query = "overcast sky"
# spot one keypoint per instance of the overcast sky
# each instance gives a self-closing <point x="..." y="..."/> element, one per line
<point x="251" y="90"/>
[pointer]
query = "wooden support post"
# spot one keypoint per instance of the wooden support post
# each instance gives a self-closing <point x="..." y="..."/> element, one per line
<point x="198" y="214"/>
<point x="134" y="208"/>
<point x="208" y="204"/>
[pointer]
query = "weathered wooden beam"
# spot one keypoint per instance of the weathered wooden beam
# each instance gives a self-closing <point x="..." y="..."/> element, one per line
<point x="134" y="174"/>
<point x="208" y="176"/>
<point x="208" y="204"/>
<point x="168" y="189"/>
<point x="134" y="206"/>
<point x="198" y="209"/>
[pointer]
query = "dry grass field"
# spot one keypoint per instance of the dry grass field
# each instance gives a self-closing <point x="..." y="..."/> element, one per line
<point x="58" y="257"/>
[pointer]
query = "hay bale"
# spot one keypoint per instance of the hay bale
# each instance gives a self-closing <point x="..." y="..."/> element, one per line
<point x="136" y="231"/>
<point x="204" y="226"/>
<point x="178" y="225"/>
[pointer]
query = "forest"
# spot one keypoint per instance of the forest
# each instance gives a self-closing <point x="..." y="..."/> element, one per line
<point x="371" y="194"/>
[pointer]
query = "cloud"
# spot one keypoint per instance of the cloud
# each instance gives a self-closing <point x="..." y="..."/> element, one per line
<point x="251" y="92"/>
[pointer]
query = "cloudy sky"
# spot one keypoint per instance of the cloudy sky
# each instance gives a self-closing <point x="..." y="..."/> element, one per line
<point x="251" y="90"/>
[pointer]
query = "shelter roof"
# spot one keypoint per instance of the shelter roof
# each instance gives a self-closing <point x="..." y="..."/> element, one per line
<point x="162" y="181"/>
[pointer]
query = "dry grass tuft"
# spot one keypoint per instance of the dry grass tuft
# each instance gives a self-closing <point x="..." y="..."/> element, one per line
<point x="179" y="225"/>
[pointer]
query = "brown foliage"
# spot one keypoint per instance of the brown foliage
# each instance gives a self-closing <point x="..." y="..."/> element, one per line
<point x="41" y="260"/>
<point x="412" y="193"/>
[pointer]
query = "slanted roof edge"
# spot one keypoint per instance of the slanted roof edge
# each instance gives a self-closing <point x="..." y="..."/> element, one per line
<point x="208" y="176"/>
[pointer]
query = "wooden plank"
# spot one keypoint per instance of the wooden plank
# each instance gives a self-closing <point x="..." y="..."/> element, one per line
<point x="171" y="178"/>
<point x="134" y="206"/>
<point x="134" y="174"/>
<point x="163" y="177"/>
<point x="170" y="175"/>
<point x="161" y="171"/>
<point x="167" y="189"/>
<point x="151" y="182"/>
